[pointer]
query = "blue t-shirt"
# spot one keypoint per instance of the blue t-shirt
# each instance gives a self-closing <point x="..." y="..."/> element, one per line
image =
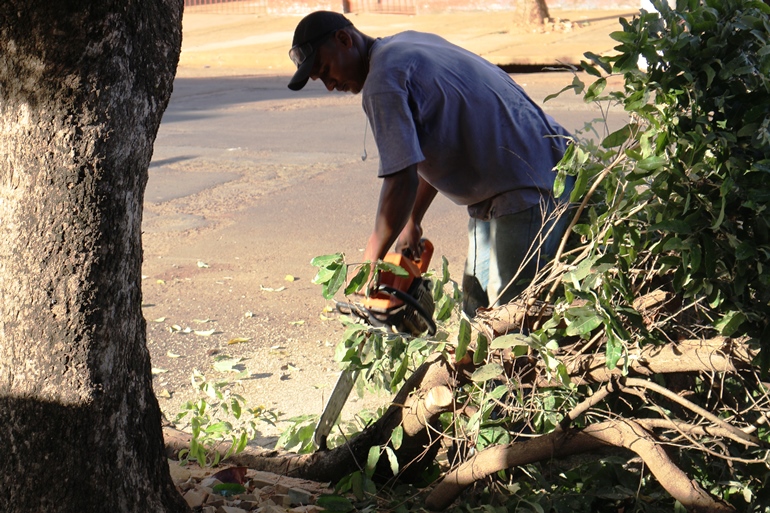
<point x="474" y="133"/>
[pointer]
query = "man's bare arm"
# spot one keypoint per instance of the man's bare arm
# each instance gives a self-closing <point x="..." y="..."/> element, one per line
<point x="397" y="200"/>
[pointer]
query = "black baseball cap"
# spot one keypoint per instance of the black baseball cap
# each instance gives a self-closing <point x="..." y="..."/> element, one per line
<point x="308" y="36"/>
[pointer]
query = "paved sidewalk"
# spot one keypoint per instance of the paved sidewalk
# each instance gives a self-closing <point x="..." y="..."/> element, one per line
<point x="227" y="45"/>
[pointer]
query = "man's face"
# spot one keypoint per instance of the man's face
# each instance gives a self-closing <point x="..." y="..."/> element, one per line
<point x="339" y="64"/>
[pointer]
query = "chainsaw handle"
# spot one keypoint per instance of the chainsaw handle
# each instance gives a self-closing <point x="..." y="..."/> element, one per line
<point x="425" y="256"/>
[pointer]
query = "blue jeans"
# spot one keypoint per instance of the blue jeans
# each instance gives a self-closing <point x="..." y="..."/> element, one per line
<point x="497" y="249"/>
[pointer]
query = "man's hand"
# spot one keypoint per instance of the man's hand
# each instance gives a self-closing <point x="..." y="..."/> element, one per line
<point x="409" y="241"/>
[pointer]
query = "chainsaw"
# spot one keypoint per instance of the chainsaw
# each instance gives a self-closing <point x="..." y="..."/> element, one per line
<point x="403" y="304"/>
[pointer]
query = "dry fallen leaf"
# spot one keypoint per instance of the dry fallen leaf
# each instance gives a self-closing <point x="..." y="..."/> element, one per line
<point x="202" y="264"/>
<point x="157" y="370"/>
<point x="207" y="333"/>
<point x="271" y="289"/>
<point x="237" y="340"/>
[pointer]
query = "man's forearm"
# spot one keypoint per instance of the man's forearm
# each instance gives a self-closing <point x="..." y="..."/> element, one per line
<point x="425" y="195"/>
<point x="397" y="199"/>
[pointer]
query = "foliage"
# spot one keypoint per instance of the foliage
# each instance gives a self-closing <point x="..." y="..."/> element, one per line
<point x="680" y="202"/>
<point x="384" y="358"/>
<point x="219" y="417"/>
<point x="670" y="241"/>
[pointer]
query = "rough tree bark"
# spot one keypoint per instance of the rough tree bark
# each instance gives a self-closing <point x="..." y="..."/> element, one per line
<point x="530" y="12"/>
<point x="83" y="85"/>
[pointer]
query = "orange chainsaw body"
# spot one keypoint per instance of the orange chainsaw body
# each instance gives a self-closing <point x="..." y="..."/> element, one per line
<point x="380" y="302"/>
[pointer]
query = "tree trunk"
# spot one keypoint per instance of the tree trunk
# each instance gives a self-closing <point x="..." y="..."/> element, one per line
<point x="530" y="12"/>
<point x="83" y="85"/>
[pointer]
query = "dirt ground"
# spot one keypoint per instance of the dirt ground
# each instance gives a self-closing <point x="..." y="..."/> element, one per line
<point x="250" y="181"/>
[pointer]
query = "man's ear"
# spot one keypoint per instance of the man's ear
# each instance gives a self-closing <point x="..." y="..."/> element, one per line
<point x="344" y="38"/>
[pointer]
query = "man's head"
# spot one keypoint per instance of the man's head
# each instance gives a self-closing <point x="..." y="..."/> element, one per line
<point x="327" y="46"/>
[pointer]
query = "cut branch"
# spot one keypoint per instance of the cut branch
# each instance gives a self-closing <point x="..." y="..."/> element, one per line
<point x="559" y="444"/>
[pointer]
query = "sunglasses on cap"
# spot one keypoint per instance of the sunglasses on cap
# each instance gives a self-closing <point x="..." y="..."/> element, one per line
<point x="300" y="53"/>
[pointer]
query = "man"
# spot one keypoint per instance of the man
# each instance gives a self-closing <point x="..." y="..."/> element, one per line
<point x="444" y="120"/>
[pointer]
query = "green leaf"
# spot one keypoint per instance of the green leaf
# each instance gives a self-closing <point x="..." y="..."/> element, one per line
<point x="576" y="85"/>
<point x="444" y="308"/>
<point x="652" y="163"/>
<point x="242" y="442"/>
<point x="482" y="345"/>
<point x="721" y="216"/>
<point x="580" y="187"/>
<point x="673" y="225"/>
<point x="397" y="437"/>
<point x="325" y="260"/>
<point x="614" y="350"/>
<point x="371" y="460"/>
<point x="511" y="340"/>
<point x="398" y="376"/>
<point x="444" y="270"/>
<point x="359" y="280"/>
<point x="324" y="274"/>
<point x="595" y="89"/>
<point x="235" y="407"/>
<point x="599" y="61"/>
<point x="463" y="339"/>
<point x="730" y="322"/>
<point x="335" y="282"/>
<point x="357" y="485"/>
<point x="583" y="326"/>
<point x="623" y="37"/>
<point x="617" y="138"/>
<point x="487" y="372"/>
<point x="391" y="268"/>
<point x="335" y="503"/>
<point x="392" y="459"/>
<point x="219" y="427"/>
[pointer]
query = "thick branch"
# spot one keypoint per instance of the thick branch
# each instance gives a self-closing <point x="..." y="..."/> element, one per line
<point x="718" y="354"/>
<point x="558" y="444"/>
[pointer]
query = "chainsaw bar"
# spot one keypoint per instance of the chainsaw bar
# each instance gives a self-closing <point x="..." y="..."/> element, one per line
<point x="334" y="407"/>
